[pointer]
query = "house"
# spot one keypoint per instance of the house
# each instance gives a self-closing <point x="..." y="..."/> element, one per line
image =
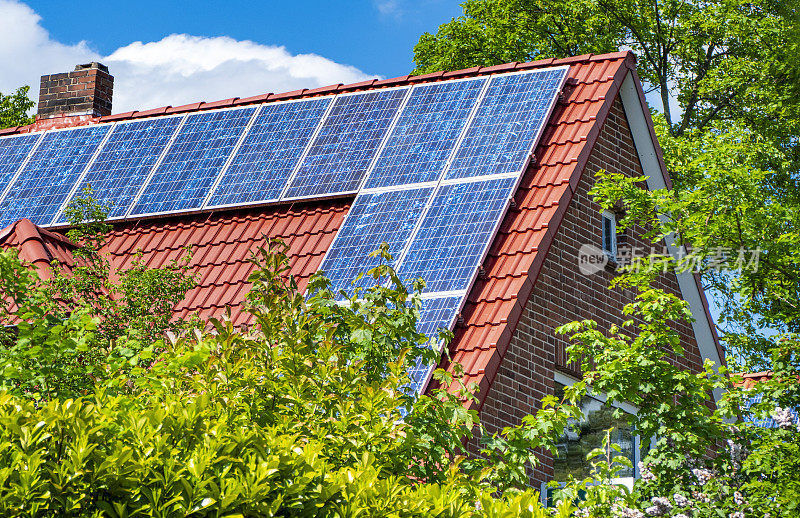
<point x="525" y="279"/>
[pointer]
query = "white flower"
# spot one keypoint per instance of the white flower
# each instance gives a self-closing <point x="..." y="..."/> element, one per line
<point x="737" y="451"/>
<point x="622" y="511"/>
<point x="738" y="498"/>
<point x="736" y="514"/>
<point x="703" y="476"/>
<point x="645" y="472"/>
<point x="680" y="515"/>
<point x="680" y="500"/>
<point x="660" y="507"/>
<point x="783" y="417"/>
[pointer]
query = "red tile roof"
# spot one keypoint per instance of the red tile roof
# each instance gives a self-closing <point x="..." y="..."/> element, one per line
<point x="223" y="241"/>
<point x="752" y="379"/>
<point x="37" y="246"/>
<point x="496" y="301"/>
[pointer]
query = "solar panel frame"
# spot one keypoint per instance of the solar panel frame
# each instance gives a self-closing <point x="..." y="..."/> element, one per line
<point x="155" y="166"/>
<point x="83" y="174"/>
<point x="528" y="153"/>
<point x="195" y="203"/>
<point x="449" y="303"/>
<point x="57" y="220"/>
<point x="207" y="203"/>
<point x="356" y="211"/>
<point x="481" y="256"/>
<point x="12" y="174"/>
<point x="51" y="173"/>
<point x="369" y="178"/>
<point x="287" y="194"/>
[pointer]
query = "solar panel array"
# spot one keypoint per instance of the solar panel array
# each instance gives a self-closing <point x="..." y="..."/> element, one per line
<point x="440" y="185"/>
<point x="434" y="167"/>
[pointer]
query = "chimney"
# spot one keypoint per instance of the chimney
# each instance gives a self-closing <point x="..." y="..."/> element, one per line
<point x="85" y="91"/>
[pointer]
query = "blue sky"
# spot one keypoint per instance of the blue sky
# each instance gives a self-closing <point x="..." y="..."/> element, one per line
<point x="173" y="53"/>
<point x="374" y="36"/>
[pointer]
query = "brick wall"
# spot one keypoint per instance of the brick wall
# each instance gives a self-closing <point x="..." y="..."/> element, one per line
<point x="562" y="294"/>
<point x="87" y="90"/>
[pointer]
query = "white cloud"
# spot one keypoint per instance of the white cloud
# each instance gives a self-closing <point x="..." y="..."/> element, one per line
<point x="178" y="69"/>
<point x="391" y="8"/>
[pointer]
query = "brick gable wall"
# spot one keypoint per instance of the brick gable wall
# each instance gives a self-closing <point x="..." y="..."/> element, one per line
<point x="562" y="294"/>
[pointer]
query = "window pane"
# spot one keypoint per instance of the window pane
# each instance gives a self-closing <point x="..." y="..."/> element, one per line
<point x="608" y="245"/>
<point x="587" y="435"/>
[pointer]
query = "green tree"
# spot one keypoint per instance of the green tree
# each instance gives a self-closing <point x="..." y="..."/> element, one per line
<point x="87" y="321"/>
<point x="14" y="108"/>
<point x="721" y="60"/>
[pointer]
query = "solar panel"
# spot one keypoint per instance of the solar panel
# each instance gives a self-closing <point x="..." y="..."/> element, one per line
<point x="48" y="177"/>
<point x="346" y="143"/>
<point x="455" y="232"/>
<point x="13" y="151"/>
<point x="125" y="161"/>
<point x="508" y="123"/>
<point x="269" y="153"/>
<point x="764" y="421"/>
<point x="193" y="161"/>
<point x="424" y="136"/>
<point x="387" y="217"/>
<point x="435" y="313"/>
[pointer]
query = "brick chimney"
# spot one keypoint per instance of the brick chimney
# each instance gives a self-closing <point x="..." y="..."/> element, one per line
<point x="85" y="91"/>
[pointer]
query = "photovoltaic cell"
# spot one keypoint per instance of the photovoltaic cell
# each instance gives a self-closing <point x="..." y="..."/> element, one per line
<point x="434" y="314"/>
<point x="13" y="151"/>
<point x="126" y="159"/>
<point x="193" y="161"/>
<point x="451" y="240"/>
<point x="764" y="421"/>
<point x="269" y="152"/>
<point x="509" y="120"/>
<point x="49" y="175"/>
<point x="346" y="143"/>
<point x="373" y="219"/>
<point x="424" y="136"/>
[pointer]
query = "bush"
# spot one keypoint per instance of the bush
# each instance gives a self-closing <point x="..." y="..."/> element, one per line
<point x="298" y="415"/>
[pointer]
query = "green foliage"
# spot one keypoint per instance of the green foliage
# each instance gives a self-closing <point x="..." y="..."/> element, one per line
<point x="83" y="324"/>
<point x="720" y="60"/>
<point x="285" y="417"/>
<point x="14" y="108"/>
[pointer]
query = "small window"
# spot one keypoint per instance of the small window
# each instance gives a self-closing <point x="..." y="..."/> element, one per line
<point x="610" y="234"/>
<point x="586" y="435"/>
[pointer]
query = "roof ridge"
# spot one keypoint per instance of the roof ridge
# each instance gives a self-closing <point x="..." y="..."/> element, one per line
<point x="337" y="88"/>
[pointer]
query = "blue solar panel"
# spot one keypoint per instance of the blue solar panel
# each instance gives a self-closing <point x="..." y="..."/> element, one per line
<point x="509" y="121"/>
<point x="457" y="228"/>
<point x="434" y="314"/>
<point x="193" y="161"/>
<point x="13" y="151"/>
<point x="346" y="143"/>
<point x="269" y="152"/>
<point x="126" y="159"/>
<point x="387" y="217"/>
<point x="49" y="175"/>
<point x="764" y="421"/>
<point x="425" y="133"/>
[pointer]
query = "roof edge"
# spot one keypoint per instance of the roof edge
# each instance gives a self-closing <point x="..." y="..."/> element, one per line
<point x="524" y="294"/>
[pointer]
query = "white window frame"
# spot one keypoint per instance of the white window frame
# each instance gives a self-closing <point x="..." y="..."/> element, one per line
<point x="563" y="379"/>
<point x="611" y="251"/>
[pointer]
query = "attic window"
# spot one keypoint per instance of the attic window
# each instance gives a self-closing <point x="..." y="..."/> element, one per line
<point x="610" y="234"/>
